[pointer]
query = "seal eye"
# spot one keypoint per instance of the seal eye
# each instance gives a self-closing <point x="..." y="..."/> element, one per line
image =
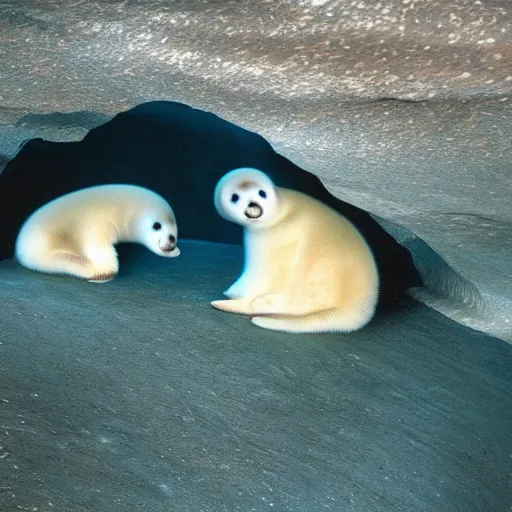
<point x="235" y="198"/>
<point x="262" y="193"/>
<point x="157" y="226"/>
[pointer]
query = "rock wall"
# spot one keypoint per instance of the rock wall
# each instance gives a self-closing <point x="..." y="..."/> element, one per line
<point x="400" y="107"/>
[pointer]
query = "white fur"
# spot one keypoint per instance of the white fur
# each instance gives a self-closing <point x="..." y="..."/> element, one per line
<point x="76" y="233"/>
<point x="307" y="268"/>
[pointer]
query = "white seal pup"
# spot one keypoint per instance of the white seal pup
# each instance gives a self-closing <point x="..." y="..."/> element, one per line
<point x="76" y="233"/>
<point x="307" y="268"/>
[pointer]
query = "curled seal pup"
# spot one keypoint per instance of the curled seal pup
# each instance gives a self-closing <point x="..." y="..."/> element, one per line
<point x="76" y="233"/>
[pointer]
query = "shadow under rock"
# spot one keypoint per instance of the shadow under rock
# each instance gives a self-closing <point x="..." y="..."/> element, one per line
<point x="181" y="153"/>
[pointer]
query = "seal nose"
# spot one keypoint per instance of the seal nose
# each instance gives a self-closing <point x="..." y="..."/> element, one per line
<point x="170" y="245"/>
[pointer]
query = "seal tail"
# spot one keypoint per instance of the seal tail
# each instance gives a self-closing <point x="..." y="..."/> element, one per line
<point x="328" y="320"/>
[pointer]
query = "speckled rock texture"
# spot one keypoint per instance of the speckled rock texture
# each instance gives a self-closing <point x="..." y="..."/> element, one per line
<point x="400" y="107"/>
<point x="104" y="54"/>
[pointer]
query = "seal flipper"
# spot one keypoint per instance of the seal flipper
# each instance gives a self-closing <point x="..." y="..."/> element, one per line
<point x="239" y="306"/>
<point x="103" y="278"/>
<point x="327" y="320"/>
<point x="60" y="262"/>
<point x="80" y="266"/>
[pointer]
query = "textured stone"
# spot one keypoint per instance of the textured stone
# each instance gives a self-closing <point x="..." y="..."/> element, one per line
<point x="317" y="79"/>
<point x="137" y="395"/>
<point x="104" y="55"/>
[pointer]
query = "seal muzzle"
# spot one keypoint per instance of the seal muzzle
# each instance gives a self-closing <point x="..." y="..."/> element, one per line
<point x="253" y="211"/>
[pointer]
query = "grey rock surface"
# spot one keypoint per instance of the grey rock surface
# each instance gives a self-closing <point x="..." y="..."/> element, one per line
<point x="289" y="50"/>
<point x="318" y="79"/>
<point x="137" y="395"/>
